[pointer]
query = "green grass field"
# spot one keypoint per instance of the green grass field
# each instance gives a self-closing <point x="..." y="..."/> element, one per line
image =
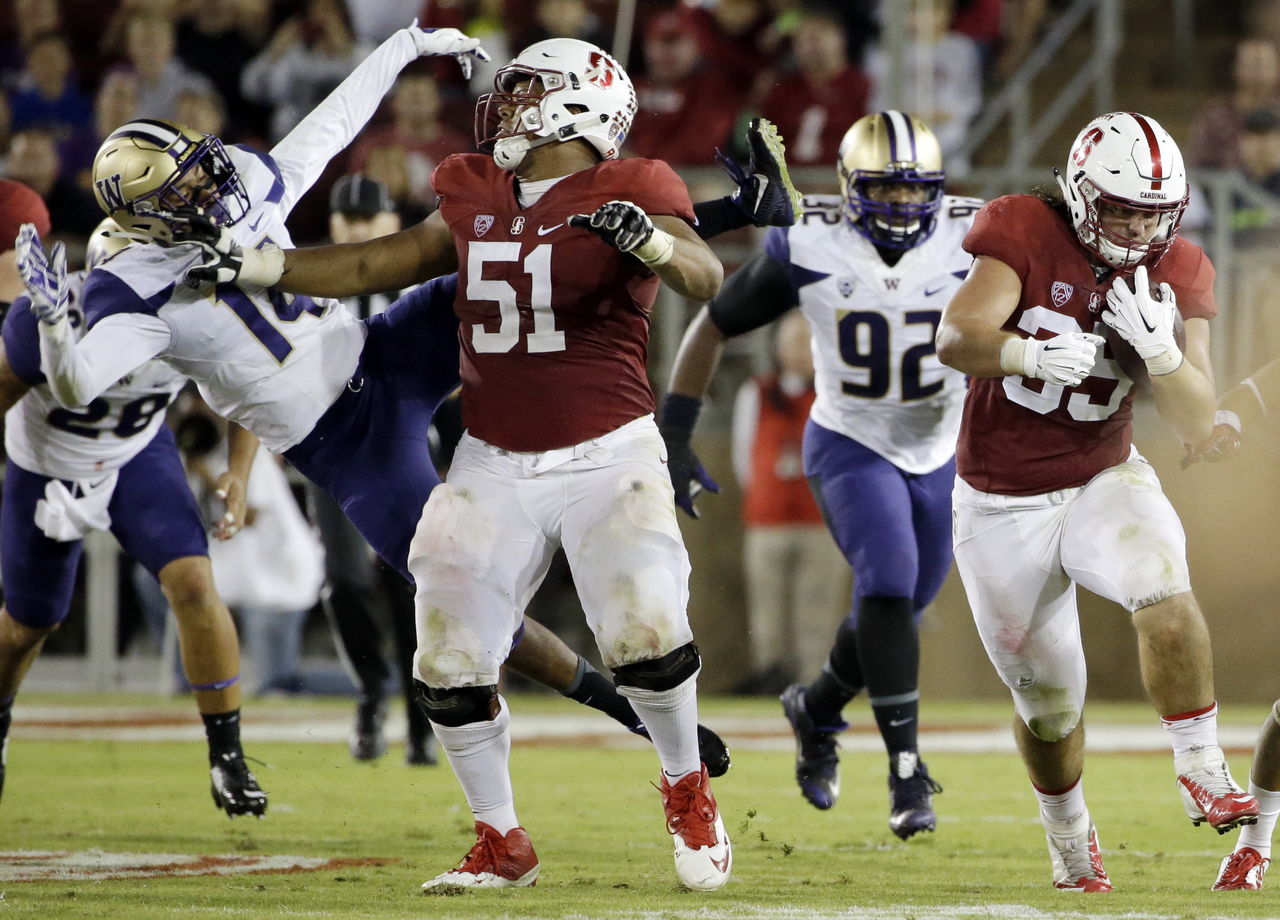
<point x="597" y="824"/>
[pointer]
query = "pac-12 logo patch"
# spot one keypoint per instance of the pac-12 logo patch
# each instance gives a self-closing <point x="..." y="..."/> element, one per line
<point x="845" y="286"/>
<point x="1060" y="292"/>
<point x="482" y="224"/>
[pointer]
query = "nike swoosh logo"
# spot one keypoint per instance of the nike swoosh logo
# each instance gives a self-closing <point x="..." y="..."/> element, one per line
<point x="253" y="225"/>
<point x="898" y="723"/>
<point x="543" y="231"/>
<point x="1150" y="328"/>
<point x="722" y="864"/>
<point x="929" y="293"/>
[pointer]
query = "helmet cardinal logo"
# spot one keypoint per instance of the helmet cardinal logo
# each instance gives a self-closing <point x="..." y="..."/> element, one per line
<point x="1086" y="146"/>
<point x="599" y="70"/>
<point x="110" y="193"/>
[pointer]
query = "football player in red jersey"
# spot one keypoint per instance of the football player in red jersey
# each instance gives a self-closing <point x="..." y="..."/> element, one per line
<point x="559" y="248"/>
<point x="1050" y="492"/>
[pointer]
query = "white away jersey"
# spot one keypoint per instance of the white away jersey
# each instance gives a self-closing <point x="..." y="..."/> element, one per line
<point x="42" y="437"/>
<point x="872" y="326"/>
<point x="269" y="361"/>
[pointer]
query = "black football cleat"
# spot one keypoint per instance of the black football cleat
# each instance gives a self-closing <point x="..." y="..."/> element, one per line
<point x="235" y="789"/>
<point x="368" y="742"/>
<point x="911" y="792"/>
<point x="817" y="763"/>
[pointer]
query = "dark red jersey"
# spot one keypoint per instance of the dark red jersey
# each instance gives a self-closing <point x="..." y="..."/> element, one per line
<point x="1022" y="436"/>
<point x="553" y="321"/>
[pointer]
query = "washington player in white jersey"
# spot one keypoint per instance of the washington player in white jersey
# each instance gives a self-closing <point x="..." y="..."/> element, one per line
<point x="114" y="466"/>
<point x="871" y="269"/>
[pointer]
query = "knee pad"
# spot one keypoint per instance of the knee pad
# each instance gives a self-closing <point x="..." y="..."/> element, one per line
<point x="658" y="674"/>
<point x="455" y="706"/>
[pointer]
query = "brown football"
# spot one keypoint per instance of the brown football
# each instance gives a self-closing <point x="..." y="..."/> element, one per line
<point x="1122" y="352"/>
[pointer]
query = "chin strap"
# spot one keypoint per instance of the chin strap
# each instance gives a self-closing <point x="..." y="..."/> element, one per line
<point x="509" y="152"/>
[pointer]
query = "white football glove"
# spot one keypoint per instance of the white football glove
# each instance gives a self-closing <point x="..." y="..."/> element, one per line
<point x="1064" y="360"/>
<point x="436" y="42"/>
<point x="1144" y="322"/>
<point x="44" y="276"/>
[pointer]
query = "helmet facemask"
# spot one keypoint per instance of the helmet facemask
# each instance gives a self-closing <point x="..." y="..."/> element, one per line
<point x="893" y="224"/>
<point x="1119" y="250"/>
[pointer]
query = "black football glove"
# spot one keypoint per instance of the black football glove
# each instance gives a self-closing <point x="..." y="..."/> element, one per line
<point x="765" y="193"/>
<point x="223" y="256"/>
<point x="688" y="476"/>
<point x="621" y="224"/>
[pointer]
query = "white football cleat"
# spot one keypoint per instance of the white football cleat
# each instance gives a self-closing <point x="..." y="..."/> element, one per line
<point x="704" y="856"/>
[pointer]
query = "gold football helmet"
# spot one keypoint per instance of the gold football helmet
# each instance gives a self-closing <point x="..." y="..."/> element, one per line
<point x="890" y="171"/>
<point x="106" y="240"/>
<point x="148" y="167"/>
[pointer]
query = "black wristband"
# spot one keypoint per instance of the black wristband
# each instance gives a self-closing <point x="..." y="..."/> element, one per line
<point x="719" y="216"/>
<point x="680" y="413"/>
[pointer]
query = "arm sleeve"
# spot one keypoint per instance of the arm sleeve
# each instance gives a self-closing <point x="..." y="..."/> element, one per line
<point x="78" y="372"/>
<point x="753" y="296"/>
<point x="746" y="411"/>
<point x="327" y="130"/>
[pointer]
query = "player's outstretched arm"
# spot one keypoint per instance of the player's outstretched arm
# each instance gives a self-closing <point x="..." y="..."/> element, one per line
<point x="388" y="263"/>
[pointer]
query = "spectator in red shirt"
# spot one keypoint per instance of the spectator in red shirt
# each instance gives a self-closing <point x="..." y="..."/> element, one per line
<point x="816" y="103"/>
<point x="685" y="108"/>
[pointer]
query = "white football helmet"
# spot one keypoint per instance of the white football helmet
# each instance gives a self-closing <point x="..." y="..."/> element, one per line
<point x="151" y="166"/>
<point x="573" y="90"/>
<point x="1126" y="160"/>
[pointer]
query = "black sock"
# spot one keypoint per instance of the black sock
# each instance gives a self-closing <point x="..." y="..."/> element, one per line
<point x="840" y="680"/>
<point x="6" y="717"/>
<point x="223" y="731"/>
<point x="890" y="656"/>
<point x="591" y="688"/>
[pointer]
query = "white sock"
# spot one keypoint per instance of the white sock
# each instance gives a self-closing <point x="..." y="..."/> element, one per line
<point x="671" y="716"/>
<point x="478" y="753"/>
<point x="1191" y="732"/>
<point x="1258" y="835"/>
<point x="1064" y="813"/>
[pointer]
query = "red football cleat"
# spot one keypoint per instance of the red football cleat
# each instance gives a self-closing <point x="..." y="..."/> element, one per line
<point x="1210" y="794"/>
<point x="1242" y="871"/>
<point x="704" y="856"/>
<point x="494" y="862"/>
<point x="1077" y="862"/>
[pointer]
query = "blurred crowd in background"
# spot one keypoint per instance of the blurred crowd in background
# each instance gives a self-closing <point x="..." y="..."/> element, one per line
<point x="73" y="70"/>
